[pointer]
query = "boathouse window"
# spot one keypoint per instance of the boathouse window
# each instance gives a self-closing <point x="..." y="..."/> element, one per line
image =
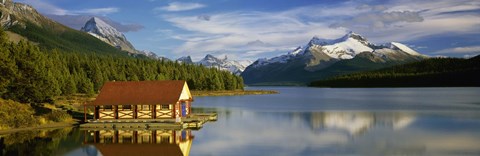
<point x="107" y="107"/>
<point x="125" y="107"/>
<point x="164" y="139"/>
<point x="127" y="139"/>
<point x="165" y="107"/>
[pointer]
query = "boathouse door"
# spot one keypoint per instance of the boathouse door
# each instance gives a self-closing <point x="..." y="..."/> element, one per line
<point x="184" y="109"/>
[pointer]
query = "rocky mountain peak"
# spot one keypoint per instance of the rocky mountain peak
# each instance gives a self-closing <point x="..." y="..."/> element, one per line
<point x="185" y="59"/>
<point x="107" y="33"/>
<point x="234" y="66"/>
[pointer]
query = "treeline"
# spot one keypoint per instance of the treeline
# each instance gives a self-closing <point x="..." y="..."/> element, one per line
<point x="33" y="75"/>
<point x="434" y="72"/>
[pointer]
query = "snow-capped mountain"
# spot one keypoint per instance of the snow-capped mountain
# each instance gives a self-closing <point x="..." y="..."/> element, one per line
<point x="234" y="66"/>
<point x="105" y="32"/>
<point x="346" y="47"/>
<point x="319" y="54"/>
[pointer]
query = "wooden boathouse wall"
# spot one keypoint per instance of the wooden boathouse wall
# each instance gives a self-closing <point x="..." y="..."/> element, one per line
<point x="142" y="100"/>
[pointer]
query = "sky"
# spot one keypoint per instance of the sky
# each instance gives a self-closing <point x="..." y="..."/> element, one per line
<point x="252" y="29"/>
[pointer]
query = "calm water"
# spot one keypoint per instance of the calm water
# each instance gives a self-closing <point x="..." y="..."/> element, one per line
<point x="298" y="121"/>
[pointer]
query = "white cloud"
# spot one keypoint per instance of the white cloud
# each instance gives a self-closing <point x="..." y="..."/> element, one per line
<point x="402" y="20"/>
<point x="233" y="31"/>
<point x="47" y="8"/>
<point x="380" y="20"/>
<point x="439" y="17"/>
<point x="180" y="6"/>
<point x="460" y="50"/>
<point x="96" y="11"/>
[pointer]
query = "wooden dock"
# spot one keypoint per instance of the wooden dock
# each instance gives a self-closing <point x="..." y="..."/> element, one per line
<point x="194" y="121"/>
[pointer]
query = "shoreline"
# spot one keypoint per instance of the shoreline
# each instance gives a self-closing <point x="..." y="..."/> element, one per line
<point x="232" y="92"/>
<point x="194" y="93"/>
<point x="45" y="126"/>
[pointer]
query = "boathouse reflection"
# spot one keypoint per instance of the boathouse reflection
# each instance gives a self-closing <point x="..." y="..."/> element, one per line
<point x="138" y="142"/>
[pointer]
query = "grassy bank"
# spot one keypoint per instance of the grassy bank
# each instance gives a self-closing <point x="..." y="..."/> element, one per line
<point x="15" y="115"/>
<point x="44" y="126"/>
<point x="232" y="92"/>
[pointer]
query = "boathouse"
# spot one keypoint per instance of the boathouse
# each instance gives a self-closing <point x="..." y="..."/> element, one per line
<point x="145" y="100"/>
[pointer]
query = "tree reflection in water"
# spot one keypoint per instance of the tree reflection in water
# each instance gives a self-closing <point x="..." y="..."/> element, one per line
<point x="36" y="142"/>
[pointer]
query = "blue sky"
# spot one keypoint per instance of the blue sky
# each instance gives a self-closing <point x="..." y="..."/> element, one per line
<point x="251" y="29"/>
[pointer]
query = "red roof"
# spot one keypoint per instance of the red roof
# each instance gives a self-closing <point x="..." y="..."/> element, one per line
<point x="140" y="92"/>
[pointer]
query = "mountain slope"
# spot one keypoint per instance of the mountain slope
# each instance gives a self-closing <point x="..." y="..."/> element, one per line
<point x="23" y="20"/>
<point x="103" y="31"/>
<point x="435" y="72"/>
<point x="322" y="58"/>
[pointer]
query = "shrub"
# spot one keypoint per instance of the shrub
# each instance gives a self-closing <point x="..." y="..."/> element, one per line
<point x="16" y="115"/>
<point x="58" y="116"/>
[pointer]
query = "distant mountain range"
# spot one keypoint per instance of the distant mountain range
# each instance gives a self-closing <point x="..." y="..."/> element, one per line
<point x="322" y="58"/>
<point x="234" y="66"/>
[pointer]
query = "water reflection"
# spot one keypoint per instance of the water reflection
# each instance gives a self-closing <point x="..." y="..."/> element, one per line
<point x="37" y="142"/>
<point x="138" y="142"/>
<point x="355" y="123"/>
<point x="339" y="133"/>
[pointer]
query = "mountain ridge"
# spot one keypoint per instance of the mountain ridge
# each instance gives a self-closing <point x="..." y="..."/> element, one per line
<point x="321" y="58"/>
<point x="233" y="66"/>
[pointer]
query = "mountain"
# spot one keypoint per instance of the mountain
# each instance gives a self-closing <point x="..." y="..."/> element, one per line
<point x="322" y="58"/>
<point x="41" y="59"/>
<point x="233" y="66"/>
<point x="434" y="72"/>
<point x="150" y="54"/>
<point x="103" y="31"/>
<point x="185" y="59"/>
<point x="21" y="21"/>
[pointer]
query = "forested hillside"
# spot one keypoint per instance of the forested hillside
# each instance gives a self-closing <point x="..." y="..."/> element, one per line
<point x="56" y="36"/>
<point x="31" y="74"/>
<point x="435" y="72"/>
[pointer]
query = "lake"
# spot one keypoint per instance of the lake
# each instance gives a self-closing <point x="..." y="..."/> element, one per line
<point x="298" y="121"/>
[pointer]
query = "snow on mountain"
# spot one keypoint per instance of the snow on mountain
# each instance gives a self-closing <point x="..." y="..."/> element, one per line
<point x="346" y="47"/>
<point x="279" y="59"/>
<point x="235" y="67"/>
<point x="343" y="48"/>
<point x="105" y="32"/>
<point x="404" y="48"/>
<point x="148" y="53"/>
<point x="151" y="54"/>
